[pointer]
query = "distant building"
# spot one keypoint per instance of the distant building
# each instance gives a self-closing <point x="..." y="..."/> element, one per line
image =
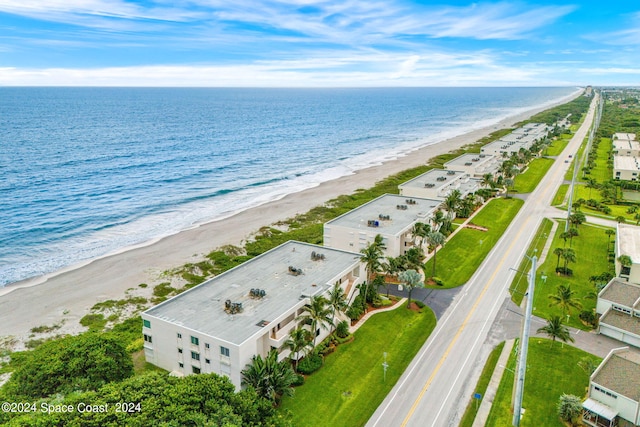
<point x="626" y="168"/>
<point x="623" y="136"/>
<point x="619" y="309"/>
<point x="390" y="216"/>
<point x="439" y="183"/>
<point x="219" y="325"/>
<point x="523" y="137"/>
<point x="614" y="391"/>
<point x="625" y="147"/>
<point x="476" y="165"/>
<point x="628" y="243"/>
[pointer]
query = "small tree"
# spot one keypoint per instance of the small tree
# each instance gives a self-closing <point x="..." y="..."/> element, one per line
<point x="555" y="329"/>
<point x="411" y="279"/>
<point x="337" y="301"/>
<point x="435" y="239"/>
<point x="299" y="340"/>
<point x="270" y="379"/>
<point x="317" y="314"/>
<point x="570" y="409"/>
<point x="564" y="298"/>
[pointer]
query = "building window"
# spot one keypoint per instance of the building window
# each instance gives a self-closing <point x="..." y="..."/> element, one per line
<point x="224" y="351"/>
<point x="206" y="345"/>
<point x="146" y="323"/>
<point x="180" y="350"/>
<point x="179" y="335"/>
<point x="195" y="356"/>
<point x="147" y="338"/>
<point x="207" y="361"/>
<point x="195" y="370"/>
<point x="181" y="364"/>
<point x="195" y="340"/>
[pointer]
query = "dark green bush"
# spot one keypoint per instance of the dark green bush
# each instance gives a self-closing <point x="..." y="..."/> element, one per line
<point x="310" y="364"/>
<point x="298" y="381"/>
<point x="342" y="329"/>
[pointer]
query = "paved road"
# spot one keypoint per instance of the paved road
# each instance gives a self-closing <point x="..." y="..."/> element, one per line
<point x="433" y="390"/>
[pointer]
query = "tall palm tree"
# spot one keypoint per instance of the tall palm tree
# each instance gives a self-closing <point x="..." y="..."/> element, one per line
<point x="572" y="232"/>
<point x="569" y="255"/>
<point x="420" y="231"/>
<point x="451" y="202"/>
<point x="565" y="299"/>
<point x="271" y="379"/>
<point x="411" y="279"/>
<point x="392" y="266"/>
<point x="371" y="258"/>
<point x="318" y="315"/>
<point x="555" y="329"/>
<point x="435" y="239"/>
<point x="487" y="180"/>
<point x="414" y="259"/>
<point x="558" y="252"/>
<point x="299" y="340"/>
<point x="337" y="301"/>
<point x="437" y="219"/>
<point x="508" y="182"/>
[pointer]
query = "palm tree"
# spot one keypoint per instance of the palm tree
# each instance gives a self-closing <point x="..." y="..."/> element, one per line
<point x="508" y="182"/>
<point x="555" y="329"/>
<point x="571" y="233"/>
<point x="420" y="231"/>
<point x="435" y="239"/>
<point x="411" y="279"/>
<point x="577" y="218"/>
<point x="452" y="201"/>
<point x="609" y="232"/>
<point x="564" y="298"/>
<point x="317" y="314"/>
<point x="487" y="180"/>
<point x="569" y="255"/>
<point x="371" y="258"/>
<point x="299" y="340"/>
<point x="271" y="379"/>
<point x="414" y="259"/>
<point x="558" y="252"/>
<point x="437" y="219"/>
<point x="337" y="301"/>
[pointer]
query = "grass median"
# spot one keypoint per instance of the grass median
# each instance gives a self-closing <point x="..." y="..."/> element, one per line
<point x="545" y="360"/>
<point x="462" y="255"/>
<point x="349" y="387"/>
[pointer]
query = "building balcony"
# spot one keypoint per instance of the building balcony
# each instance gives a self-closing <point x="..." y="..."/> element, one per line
<point x="277" y="338"/>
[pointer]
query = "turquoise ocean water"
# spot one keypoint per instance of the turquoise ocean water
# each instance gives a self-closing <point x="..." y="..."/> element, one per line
<point x="89" y="171"/>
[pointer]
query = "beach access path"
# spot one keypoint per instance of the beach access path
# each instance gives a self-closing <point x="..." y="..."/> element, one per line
<point x="65" y="297"/>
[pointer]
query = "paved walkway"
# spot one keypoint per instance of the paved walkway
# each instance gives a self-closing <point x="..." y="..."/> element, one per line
<point x="370" y="313"/>
<point x="492" y="388"/>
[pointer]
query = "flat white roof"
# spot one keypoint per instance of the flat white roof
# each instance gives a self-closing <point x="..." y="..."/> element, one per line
<point x="626" y="144"/>
<point x="624" y="136"/>
<point x="470" y="159"/>
<point x="401" y="212"/>
<point x="628" y="241"/>
<point x="626" y="163"/>
<point x="202" y="308"/>
<point x="435" y="179"/>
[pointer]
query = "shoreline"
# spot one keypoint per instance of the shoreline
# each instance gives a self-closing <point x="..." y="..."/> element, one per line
<point x="69" y="293"/>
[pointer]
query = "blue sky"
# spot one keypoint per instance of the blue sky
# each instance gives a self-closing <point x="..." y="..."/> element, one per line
<point x="319" y="43"/>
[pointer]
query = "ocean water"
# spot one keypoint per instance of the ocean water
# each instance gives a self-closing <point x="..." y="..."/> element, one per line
<point x="88" y="171"/>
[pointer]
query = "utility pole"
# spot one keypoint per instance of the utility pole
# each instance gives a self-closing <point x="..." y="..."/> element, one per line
<point x="524" y="346"/>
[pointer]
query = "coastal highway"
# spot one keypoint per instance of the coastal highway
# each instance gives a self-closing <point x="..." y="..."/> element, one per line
<point x="433" y="391"/>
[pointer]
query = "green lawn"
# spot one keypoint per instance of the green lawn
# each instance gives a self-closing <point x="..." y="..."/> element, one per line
<point x="544" y="362"/>
<point x="591" y="253"/>
<point x="569" y="175"/>
<point x="558" y="145"/>
<point x="582" y="192"/>
<point x="460" y="257"/>
<point x="558" y="199"/>
<point x="601" y="171"/>
<point x="349" y="387"/>
<point x="519" y="284"/>
<point x="527" y="182"/>
<point x="483" y="382"/>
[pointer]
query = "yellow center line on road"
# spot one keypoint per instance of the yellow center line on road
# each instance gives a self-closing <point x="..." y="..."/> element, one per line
<point x="464" y="324"/>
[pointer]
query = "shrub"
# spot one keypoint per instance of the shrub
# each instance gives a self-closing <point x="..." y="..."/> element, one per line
<point x="163" y="289"/>
<point x="438" y="281"/>
<point x="420" y="304"/>
<point x="355" y="310"/>
<point x="298" y="381"/>
<point x="310" y="364"/>
<point x="564" y="271"/>
<point x="342" y="330"/>
<point x="589" y="317"/>
<point x="95" y="322"/>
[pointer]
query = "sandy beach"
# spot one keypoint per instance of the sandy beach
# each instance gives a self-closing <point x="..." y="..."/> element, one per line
<point x="68" y="295"/>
